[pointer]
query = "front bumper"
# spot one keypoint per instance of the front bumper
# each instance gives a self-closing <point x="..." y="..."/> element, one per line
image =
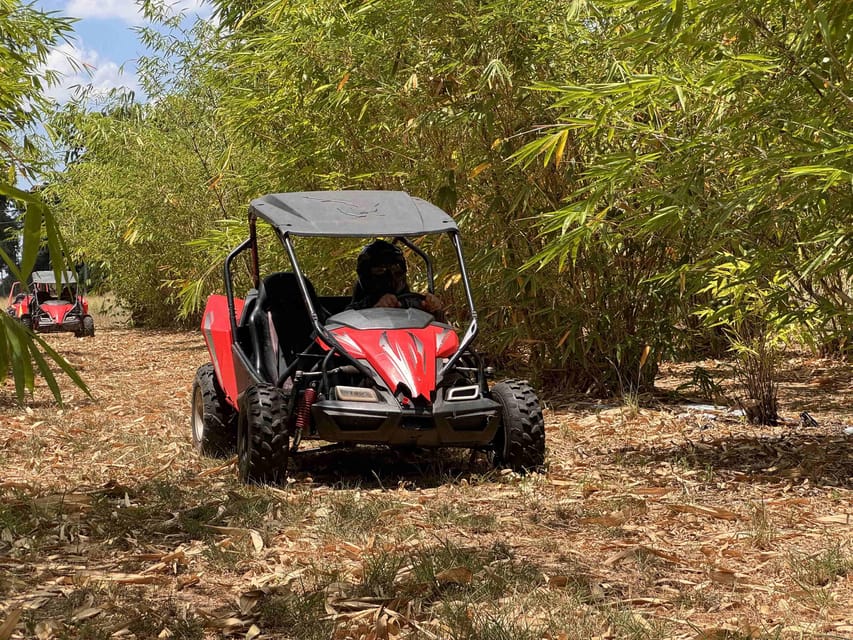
<point x="46" y="324"/>
<point x="463" y="423"/>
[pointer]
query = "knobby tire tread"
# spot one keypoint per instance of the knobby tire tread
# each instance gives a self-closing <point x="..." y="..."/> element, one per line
<point x="263" y="459"/>
<point x="219" y="439"/>
<point x="521" y="445"/>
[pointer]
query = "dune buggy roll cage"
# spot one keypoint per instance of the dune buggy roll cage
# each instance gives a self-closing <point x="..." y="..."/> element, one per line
<point x="284" y="235"/>
<point x="67" y="280"/>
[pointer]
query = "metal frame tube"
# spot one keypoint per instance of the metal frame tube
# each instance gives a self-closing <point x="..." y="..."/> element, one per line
<point x="411" y="245"/>
<point x="327" y="337"/>
<point x="253" y="237"/>
<point x="472" y="330"/>
<point x="229" y="287"/>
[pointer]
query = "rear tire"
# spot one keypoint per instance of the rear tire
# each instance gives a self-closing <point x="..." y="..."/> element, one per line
<point x="88" y="327"/>
<point x="214" y="421"/>
<point x="263" y="439"/>
<point x="520" y="441"/>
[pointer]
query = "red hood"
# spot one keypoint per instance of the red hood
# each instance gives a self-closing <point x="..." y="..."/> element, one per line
<point x="57" y="311"/>
<point x="404" y="357"/>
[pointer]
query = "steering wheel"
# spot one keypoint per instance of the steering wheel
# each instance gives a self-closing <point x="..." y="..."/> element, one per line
<point x="411" y="300"/>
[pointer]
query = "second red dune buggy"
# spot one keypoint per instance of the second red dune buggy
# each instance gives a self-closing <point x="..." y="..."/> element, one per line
<point x="50" y="306"/>
<point x="287" y="364"/>
<point x="17" y="295"/>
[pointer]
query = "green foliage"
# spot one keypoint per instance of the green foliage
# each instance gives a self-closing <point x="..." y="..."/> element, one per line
<point x="9" y="237"/>
<point x="425" y="98"/>
<point x="116" y="198"/>
<point x="20" y="349"/>
<point x="607" y="162"/>
<point x="385" y="95"/>
<point x="702" y="380"/>
<point x="718" y="137"/>
<point x="27" y="36"/>
<point x="744" y="310"/>
<point x="147" y="180"/>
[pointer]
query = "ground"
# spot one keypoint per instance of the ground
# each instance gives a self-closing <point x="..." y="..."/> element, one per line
<point x="652" y="520"/>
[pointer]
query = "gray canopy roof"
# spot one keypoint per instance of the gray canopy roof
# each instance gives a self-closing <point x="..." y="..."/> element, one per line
<point x="351" y="213"/>
<point x="48" y="277"/>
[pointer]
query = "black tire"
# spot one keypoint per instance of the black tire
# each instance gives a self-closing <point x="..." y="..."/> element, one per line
<point x="262" y="438"/>
<point x="27" y="321"/>
<point x="88" y="327"/>
<point x="520" y="441"/>
<point x="213" y="421"/>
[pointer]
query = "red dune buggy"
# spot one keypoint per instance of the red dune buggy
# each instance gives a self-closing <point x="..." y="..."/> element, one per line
<point x="287" y="364"/>
<point x="51" y="307"/>
<point x="17" y="295"/>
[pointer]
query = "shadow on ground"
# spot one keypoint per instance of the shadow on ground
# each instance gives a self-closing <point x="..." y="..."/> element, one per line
<point x="376" y="467"/>
<point x="824" y="460"/>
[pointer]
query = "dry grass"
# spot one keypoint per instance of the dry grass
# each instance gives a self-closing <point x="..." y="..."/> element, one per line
<point x="659" y="522"/>
<point x="107" y="312"/>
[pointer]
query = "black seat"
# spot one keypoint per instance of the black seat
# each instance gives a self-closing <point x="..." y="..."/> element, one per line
<point x="357" y="294"/>
<point x="280" y="324"/>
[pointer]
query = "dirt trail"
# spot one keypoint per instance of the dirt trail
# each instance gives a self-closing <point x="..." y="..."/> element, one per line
<point x="657" y="522"/>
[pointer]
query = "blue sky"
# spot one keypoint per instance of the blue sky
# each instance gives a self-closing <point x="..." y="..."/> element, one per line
<point x="104" y="43"/>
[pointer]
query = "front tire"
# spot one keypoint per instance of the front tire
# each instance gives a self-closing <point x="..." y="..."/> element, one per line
<point x="214" y="421"/>
<point x="520" y="441"/>
<point x="262" y="439"/>
<point x="27" y="321"/>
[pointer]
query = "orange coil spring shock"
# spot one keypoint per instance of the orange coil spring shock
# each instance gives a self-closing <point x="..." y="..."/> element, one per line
<point x="303" y="409"/>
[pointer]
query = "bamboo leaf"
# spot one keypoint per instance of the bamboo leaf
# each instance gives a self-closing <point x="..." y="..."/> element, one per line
<point x="479" y="169"/>
<point x="64" y="366"/>
<point x="563" y="136"/>
<point x="46" y="373"/>
<point x="22" y="371"/>
<point x="31" y="236"/>
<point x="645" y="355"/>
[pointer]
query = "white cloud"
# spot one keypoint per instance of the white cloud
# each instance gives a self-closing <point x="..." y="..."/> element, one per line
<point x="125" y="10"/>
<point x="81" y="66"/>
<point x="130" y="12"/>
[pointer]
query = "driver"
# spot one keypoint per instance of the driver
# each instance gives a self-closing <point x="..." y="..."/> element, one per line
<point x="381" y="270"/>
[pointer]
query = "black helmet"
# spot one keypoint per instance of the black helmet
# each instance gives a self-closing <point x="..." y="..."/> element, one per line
<point x="381" y="268"/>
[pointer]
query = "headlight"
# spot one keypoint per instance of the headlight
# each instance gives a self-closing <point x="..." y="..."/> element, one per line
<point x="355" y="394"/>
<point x="463" y="393"/>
